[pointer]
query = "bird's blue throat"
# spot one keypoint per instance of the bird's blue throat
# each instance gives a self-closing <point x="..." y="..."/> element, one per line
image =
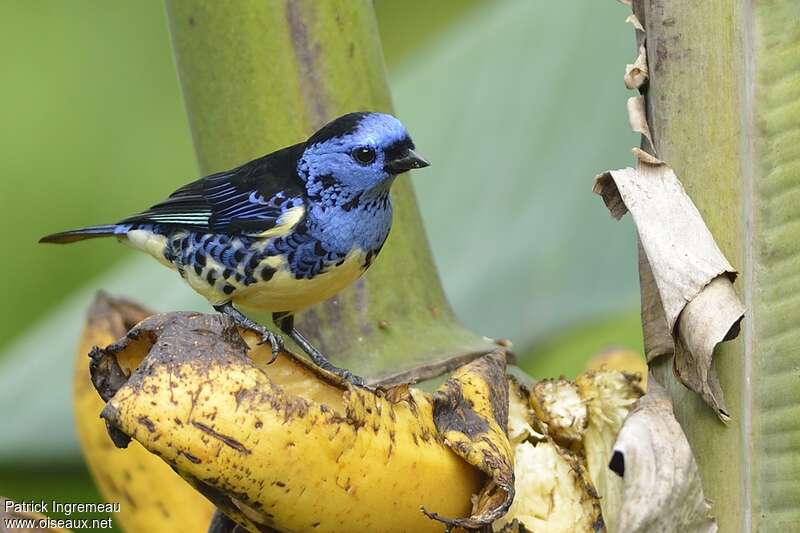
<point x="338" y="220"/>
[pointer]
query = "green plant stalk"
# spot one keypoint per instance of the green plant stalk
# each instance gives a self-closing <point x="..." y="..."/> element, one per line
<point x="258" y="76"/>
<point x="724" y="104"/>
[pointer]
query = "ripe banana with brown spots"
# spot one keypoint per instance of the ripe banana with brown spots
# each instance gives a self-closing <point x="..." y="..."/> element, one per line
<point x="287" y="447"/>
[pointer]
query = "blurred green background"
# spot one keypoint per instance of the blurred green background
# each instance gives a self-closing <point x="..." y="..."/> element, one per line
<point x="518" y="104"/>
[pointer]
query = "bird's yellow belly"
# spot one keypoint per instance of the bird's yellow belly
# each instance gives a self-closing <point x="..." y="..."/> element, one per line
<point x="281" y="292"/>
<point x="284" y="292"/>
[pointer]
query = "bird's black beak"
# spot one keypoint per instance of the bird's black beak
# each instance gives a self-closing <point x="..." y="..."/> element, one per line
<point x="408" y="161"/>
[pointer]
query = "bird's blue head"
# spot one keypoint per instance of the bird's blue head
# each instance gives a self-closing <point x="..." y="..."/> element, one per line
<point x="360" y="151"/>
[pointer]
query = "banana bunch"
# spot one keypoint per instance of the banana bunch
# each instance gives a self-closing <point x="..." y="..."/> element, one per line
<point x="152" y="497"/>
<point x="287" y="447"/>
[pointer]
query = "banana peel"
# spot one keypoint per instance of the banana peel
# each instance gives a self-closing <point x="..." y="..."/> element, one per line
<point x="153" y="498"/>
<point x="288" y="447"/>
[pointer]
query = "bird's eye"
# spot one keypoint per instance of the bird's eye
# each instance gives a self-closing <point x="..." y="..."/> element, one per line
<point x="364" y="155"/>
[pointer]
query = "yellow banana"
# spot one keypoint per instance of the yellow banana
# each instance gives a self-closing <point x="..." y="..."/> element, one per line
<point x="152" y="497"/>
<point x="280" y="443"/>
<point x="287" y="447"/>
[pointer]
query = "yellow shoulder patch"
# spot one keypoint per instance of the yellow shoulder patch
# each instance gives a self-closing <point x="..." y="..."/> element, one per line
<point x="285" y="223"/>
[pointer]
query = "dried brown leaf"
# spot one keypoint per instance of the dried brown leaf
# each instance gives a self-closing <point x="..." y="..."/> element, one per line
<point x="658" y="339"/>
<point x="710" y="318"/>
<point x="637" y="117"/>
<point x="634" y="21"/>
<point x="679" y="260"/>
<point x="645" y="157"/>
<point x="636" y="74"/>
<point x="661" y="490"/>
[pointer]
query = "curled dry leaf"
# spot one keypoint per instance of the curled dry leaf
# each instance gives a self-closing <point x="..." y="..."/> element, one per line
<point x="283" y="446"/>
<point x="636" y="74"/>
<point x="680" y="263"/>
<point x="633" y="20"/>
<point x="645" y="157"/>
<point x="637" y="117"/>
<point x="661" y="488"/>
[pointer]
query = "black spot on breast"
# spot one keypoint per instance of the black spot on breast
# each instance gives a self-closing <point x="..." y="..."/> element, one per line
<point x="252" y="264"/>
<point x="227" y="273"/>
<point x="238" y="255"/>
<point x="352" y="203"/>
<point x="228" y="288"/>
<point x="198" y="269"/>
<point x="200" y="258"/>
<point x="327" y="181"/>
<point x="267" y="273"/>
<point x="211" y="277"/>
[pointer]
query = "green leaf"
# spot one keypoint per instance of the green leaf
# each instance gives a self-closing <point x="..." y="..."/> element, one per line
<point x="518" y="107"/>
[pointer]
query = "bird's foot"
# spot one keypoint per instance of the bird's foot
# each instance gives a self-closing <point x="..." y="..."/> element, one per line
<point x="242" y="321"/>
<point x="321" y="361"/>
<point x="275" y="341"/>
<point x="351" y="378"/>
<point x="285" y="321"/>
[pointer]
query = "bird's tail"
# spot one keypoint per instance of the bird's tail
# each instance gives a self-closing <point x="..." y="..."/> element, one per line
<point x="92" y="232"/>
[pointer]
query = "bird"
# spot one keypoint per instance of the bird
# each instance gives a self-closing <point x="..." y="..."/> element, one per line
<point x="282" y="232"/>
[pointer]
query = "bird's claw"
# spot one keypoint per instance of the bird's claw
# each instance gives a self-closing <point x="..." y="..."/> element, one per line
<point x="275" y="342"/>
<point x="355" y="380"/>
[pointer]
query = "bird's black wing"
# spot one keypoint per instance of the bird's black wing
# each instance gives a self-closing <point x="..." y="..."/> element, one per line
<point x="249" y="199"/>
